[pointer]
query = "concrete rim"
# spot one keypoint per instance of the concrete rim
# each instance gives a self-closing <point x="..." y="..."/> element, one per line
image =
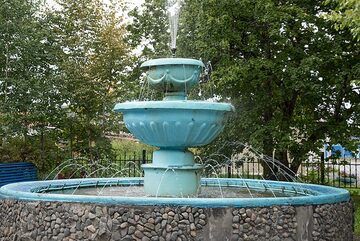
<point x="322" y="194"/>
<point x="174" y="104"/>
<point x="172" y="61"/>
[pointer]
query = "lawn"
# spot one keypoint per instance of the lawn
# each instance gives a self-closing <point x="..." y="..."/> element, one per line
<point x="130" y="147"/>
<point x="356" y="199"/>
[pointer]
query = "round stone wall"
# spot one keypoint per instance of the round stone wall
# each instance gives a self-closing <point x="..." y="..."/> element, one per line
<point x="50" y="221"/>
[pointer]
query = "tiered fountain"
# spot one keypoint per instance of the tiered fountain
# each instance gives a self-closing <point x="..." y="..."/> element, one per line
<point x="166" y="204"/>
<point x="169" y="207"/>
<point x="173" y="125"/>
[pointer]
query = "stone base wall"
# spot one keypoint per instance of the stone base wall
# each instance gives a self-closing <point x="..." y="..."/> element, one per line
<point x="51" y="221"/>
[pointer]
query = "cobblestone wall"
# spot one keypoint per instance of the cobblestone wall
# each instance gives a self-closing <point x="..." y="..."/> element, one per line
<point x="45" y="221"/>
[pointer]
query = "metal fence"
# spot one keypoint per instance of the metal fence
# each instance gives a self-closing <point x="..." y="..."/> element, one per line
<point x="341" y="172"/>
<point x="130" y="162"/>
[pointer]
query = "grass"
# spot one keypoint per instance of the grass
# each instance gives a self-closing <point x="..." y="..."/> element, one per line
<point x="128" y="146"/>
<point x="356" y="200"/>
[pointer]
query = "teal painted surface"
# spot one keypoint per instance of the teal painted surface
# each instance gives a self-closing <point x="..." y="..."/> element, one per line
<point x="172" y="61"/>
<point x="184" y="104"/>
<point x="180" y="181"/>
<point x="174" y="124"/>
<point x="172" y="173"/>
<point x="320" y="194"/>
<point x="173" y="74"/>
<point x="178" y="158"/>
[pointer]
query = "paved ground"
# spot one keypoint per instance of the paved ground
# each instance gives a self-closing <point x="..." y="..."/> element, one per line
<point x="356" y="238"/>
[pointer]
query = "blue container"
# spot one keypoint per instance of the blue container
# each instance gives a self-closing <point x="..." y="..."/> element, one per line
<point x="173" y="76"/>
<point x="174" y="124"/>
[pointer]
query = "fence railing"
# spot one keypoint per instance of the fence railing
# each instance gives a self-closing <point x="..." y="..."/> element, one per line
<point x="130" y="162"/>
<point x="342" y="172"/>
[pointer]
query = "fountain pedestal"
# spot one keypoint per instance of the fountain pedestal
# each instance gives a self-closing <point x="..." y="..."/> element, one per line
<point x="172" y="173"/>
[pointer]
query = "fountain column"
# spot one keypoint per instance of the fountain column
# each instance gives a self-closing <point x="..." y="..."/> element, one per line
<point x="172" y="173"/>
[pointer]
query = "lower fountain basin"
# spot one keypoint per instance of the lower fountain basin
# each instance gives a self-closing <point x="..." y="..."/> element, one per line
<point x="301" y="212"/>
<point x="304" y="193"/>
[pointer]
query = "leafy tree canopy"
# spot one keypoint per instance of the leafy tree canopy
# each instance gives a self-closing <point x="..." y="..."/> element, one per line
<point x="346" y="14"/>
<point x="73" y="56"/>
<point x="283" y="66"/>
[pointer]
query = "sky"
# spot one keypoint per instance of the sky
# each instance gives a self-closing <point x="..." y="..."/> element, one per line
<point x="135" y="2"/>
<point x="132" y="3"/>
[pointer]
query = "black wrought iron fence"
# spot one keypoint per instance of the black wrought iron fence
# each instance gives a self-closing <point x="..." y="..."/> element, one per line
<point x="341" y="172"/>
<point x="129" y="163"/>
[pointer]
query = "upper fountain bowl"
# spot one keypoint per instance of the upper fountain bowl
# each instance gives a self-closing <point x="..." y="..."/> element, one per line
<point x="174" y="124"/>
<point x="173" y="75"/>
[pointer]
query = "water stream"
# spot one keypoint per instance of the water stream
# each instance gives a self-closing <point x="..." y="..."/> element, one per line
<point x="173" y="8"/>
<point x="214" y="164"/>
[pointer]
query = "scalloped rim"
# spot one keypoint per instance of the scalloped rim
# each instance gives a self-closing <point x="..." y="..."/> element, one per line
<point x="171" y="61"/>
<point x="174" y="104"/>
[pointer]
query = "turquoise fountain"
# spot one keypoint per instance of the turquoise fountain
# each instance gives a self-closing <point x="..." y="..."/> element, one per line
<point x="173" y="125"/>
<point x="167" y="203"/>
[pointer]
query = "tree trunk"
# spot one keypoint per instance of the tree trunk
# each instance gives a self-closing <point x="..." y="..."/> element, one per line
<point x="42" y="143"/>
<point x="270" y="170"/>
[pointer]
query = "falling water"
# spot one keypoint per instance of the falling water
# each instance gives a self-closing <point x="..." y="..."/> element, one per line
<point x="216" y="163"/>
<point x="173" y="8"/>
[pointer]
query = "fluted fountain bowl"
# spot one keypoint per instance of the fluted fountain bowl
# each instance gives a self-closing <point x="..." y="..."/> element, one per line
<point x="174" y="124"/>
<point x="173" y="74"/>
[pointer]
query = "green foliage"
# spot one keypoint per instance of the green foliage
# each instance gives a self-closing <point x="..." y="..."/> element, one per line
<point x="130" y="147"/>
<point x="93" y="60"/>
<point x="346" y="14"/>
<point x="356" y="199"/>
<point x="62" y="72"/>
<point x="286" y="70"/>
<point x="29" y="96"/>
<point x="19" y="150"/>
<point x="150" y="29"/>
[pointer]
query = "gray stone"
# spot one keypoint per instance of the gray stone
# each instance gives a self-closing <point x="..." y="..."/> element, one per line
<point x="115" y="236"/>
<point x="70" y="222"/>
<point x="91" y="228"/>
<point x="150" y="226"/>
<point x="124" y="225"/>
<point x="139" y="234"/>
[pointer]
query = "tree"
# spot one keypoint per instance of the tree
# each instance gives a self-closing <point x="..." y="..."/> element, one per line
<point x="93" y="64"/>
<point x="149" y="29"/>
<point x="28" y="90"/>
<point x="74" y="56"/>
<point x="287" y="71"/>
<point x="346" y="15"/>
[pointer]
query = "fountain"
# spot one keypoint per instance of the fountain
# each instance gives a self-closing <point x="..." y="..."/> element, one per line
<point x="172" y="201"/>
<point x="173" y="125"/>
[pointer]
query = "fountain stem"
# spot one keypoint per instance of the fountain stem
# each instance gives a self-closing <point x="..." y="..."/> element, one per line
<point x="173" y="52"/>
